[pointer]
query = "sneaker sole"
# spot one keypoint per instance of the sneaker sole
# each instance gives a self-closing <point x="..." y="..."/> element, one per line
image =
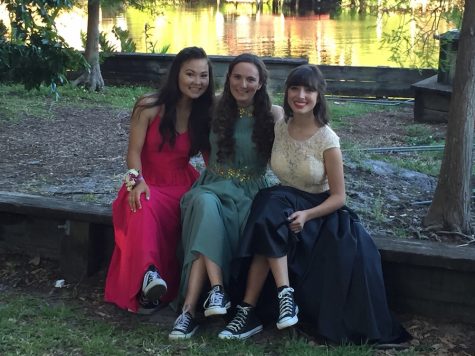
<point x="147" y="311"/>
<point x="288" y="322"/>
<point x="217" y="311"/>
<point x="182" y="336"/>
<point x="155" y="291"/>
<point x="226" y="336"/>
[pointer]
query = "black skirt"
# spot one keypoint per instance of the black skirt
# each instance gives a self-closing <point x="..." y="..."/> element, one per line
<point x="334" y="268"/>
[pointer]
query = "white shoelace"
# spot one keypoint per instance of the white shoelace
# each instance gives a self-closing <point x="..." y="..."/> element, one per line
<point x="240" y="319"/>
<point x="285" y="301"/>
<point x="182" y="321"/>
<point x="151" y="275"/>
<point x="215" y="297"/>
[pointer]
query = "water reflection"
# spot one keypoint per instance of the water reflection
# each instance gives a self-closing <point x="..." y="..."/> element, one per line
<point x="348" y="38"/>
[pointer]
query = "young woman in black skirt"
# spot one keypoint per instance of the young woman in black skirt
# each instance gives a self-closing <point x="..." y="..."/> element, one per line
<point x="326" y="269"/>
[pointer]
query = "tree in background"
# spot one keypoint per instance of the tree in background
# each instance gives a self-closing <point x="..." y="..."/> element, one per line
<point x="450" y="208"/>
<point x="92" y="78"/>
<point x="35" y="54"/>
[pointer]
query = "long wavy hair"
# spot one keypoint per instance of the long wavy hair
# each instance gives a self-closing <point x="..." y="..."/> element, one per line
<point x="170" y="94"/>
<point x="227" y="113"/>
<point x="309" y="76"/>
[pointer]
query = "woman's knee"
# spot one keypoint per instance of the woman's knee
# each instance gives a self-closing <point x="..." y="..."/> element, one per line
<point x="204" y="200"/>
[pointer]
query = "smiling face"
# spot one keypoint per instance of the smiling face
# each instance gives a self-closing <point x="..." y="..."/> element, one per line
<point x="193" y="78"/>
<point x="302" y="99"/>
<point x="244" y="82"/>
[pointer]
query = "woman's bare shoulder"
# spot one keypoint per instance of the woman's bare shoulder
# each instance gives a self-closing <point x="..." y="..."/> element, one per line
<point x="145" y="108"/>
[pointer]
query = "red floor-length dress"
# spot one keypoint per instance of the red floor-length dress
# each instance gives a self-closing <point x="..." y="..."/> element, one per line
<point x="150" y="235"/>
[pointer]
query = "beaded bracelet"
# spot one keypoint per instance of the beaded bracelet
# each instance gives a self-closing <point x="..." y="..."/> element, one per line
<point x="132" y="178"/>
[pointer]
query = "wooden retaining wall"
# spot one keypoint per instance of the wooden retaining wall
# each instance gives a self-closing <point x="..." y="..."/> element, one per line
<point x="424" y="278"/>
<point x="378" y="82"/>
<point x="432" y="100"/>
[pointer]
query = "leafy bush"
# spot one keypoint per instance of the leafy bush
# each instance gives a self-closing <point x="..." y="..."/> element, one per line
<point x="43" y="60"/>
<point x="127" y="44"/>
<point x="35" y="53"/>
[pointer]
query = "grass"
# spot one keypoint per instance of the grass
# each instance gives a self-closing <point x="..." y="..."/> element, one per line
<point x="16" y="102"/>
<point x="423" y="162"/>
<point x="33" y="325"/>
<point x="420" y="135"/>
<point x="340" y="113"/>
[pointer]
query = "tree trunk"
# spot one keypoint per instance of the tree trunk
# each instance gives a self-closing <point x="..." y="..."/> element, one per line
<point x="450" y="208"/>
<point x="92" y="78"/>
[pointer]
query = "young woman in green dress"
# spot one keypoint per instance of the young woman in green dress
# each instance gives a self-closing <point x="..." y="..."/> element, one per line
<point x="215" y="210"/>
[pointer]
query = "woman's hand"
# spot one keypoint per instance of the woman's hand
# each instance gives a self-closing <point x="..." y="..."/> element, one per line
<point x="298" y="220"/>
<point x="134" y="195"/>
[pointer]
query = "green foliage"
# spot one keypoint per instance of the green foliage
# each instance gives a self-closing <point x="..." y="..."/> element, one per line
<point x="418" y="134"/>
<point x="418" y="49"/>
<point x="105" y="45"/>
<point x="3" y="32"/>
<point x="152" y="46"/>
<point x="126" y="43"/>
<point x="35" y="54"/>
<point x="106" y="48"/>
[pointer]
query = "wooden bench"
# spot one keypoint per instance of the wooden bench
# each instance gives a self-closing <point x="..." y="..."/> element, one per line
<point x="377" y="82"/>
<point x="352" y="81"/>
<point x="426" y="278"/>
<point x="429" y="278"/>
<point x="78" y="235"/>
<point x="432" y="100"/>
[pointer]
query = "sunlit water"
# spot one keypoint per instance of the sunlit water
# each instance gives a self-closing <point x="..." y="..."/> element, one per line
<point x="344" y="39"/>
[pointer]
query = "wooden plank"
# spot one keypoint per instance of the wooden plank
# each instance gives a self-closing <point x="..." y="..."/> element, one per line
<point x="345" y="80"/>
<point x="430" y="291"/>
<point x="427" y="253"/>
<point x="433" y="279"/>
<point x="40" y="206"/>
<point x="431" y="84"/>
<point x="374" y="74"/>
<point x="429" y="278"/>
<point x="75" y="249"/>
<point x="435" y="101"/>
<point x="30" y="235"/>
<point x="431" y="116"/>
<point x="85" y="250"/>
<point x="366" y="89"/>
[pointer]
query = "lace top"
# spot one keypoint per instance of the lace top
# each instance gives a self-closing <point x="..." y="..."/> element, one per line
<point x="299" y="164"/>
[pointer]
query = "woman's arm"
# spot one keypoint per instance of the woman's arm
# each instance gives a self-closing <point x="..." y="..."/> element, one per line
<point x="333" y="162"/>
<point x="139" y="123"/>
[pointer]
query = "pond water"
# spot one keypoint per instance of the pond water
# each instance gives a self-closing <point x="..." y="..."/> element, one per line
<point x="344" y="38"/>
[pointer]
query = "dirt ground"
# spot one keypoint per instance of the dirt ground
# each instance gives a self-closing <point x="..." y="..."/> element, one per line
<point x="80" y="156"/>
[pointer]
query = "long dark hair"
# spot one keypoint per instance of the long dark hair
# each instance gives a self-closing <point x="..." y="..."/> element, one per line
<point x="310" y="76"/>
<point x="169" y="95"/>
<point x="227" y="114"/>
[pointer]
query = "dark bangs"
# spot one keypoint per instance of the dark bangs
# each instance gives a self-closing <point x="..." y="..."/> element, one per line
<point x="303" y="76"/>
<point x="309" y="76"/>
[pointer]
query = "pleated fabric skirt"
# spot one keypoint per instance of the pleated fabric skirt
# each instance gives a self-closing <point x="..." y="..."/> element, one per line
<point x="334" y="267"/>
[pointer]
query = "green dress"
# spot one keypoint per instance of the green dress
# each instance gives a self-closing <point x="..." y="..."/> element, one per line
<point x="214" y="212"/>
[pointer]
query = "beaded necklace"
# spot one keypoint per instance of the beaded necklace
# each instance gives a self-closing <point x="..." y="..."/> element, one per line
<point x="246" y="112"/>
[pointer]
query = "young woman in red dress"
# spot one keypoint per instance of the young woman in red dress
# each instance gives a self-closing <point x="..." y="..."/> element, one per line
<point x="166" y="129"/>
